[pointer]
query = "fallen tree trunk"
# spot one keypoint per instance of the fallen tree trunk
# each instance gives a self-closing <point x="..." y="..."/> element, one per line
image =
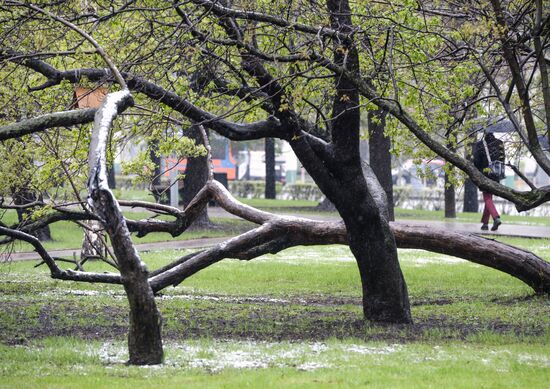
<point x="277" y="233"/>
<point x="518" y="263"/>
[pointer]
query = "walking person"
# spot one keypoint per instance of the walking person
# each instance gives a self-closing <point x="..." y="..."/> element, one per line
<point x="489" y="159"/>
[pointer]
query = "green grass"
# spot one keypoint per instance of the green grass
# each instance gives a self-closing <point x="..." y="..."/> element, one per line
<point x="67" y="235"/>
<point x="70" y="363"/>
<point x="467" y="217"/>
<point x="275" y="203"/>
<point x="286" y="320"/>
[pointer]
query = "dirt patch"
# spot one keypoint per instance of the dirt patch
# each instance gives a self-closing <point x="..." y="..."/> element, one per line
<point x="315" y="318"/>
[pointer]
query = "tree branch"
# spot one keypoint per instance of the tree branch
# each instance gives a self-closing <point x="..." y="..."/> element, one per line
<point x="83" y="33"/>
<point x="234" y="131"/>
<point x="523" y="200"/>
<point x="41" y="123"/>
<point x="221" y="11"/>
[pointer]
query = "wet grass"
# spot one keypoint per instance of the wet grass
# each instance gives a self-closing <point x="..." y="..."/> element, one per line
<point x="469" y="217"/>
<point x="211" y="363"/>
<point x="309" y="207"/>
<point x="287" y="320"/>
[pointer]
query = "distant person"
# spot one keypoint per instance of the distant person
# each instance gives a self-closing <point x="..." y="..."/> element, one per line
<point x="489" y="159"/>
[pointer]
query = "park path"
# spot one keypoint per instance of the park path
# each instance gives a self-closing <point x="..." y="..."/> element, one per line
<point x="513" y="230"/>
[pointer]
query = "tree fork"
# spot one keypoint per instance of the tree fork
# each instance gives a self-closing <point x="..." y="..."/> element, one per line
<point x="385" y="297"/>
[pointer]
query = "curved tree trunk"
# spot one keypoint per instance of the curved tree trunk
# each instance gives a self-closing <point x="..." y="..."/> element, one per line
<point x="144" y="336"/>
<point x="385" y="297"/>
<point x="514" y="261"/>
<point x="339" y="175"/>
<point x="277" y="233"/>
<point x="363" y="206"/>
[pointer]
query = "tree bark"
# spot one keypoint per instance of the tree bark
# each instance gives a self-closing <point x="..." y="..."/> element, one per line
<point x="385" y="297"/>
<point x="93" y="243"/>
<point x="111" y="178"/>
<point x="471" y="202"/>
<point x="196" y="176"/>
<point x="380" y="156"/>
<point x="156" y="189"/>
<point x="270" y="192"/>
<point x="277" y="233"/>
<point x="450" y="199"/>
<point x="41" y="123"/>
<point x="325" y="205"/>
<point x="144" y="336"/>
<point x="519" y="263"/>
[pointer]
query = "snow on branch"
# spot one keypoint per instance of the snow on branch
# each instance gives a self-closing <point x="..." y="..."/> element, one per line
<point x="113" y="103"/>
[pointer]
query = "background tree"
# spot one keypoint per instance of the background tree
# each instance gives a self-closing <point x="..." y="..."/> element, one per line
<point x="380" y="157"/>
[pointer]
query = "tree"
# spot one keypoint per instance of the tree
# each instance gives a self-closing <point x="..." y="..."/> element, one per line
<point x="268" y="90"/>
<point x="270" y="192"/>
<point x="196" y="177"/>
<point x="380" y="155"/>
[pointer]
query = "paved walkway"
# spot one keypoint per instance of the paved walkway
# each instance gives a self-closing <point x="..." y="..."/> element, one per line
<point x="143" y="247"/>
<point x="515" y="230"/>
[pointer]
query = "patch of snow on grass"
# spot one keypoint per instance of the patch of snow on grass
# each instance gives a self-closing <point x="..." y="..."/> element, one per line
<point x="421" y="258"/>
<point x="310" y="366"/>
<point x="220" y="355"/>
<point x="534" y="360"/>
<point x="112" y="353"/>
<point x="84" y="292"/>
<point x="360" y="349"/>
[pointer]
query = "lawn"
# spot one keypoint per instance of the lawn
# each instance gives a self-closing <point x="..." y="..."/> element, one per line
<point x="286" y="320"/>
<point x="67" y="235"/>
<point x="309" y="207"/>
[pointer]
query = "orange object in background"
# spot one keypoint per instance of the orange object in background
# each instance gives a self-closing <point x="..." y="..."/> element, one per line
<point x="89" y="98"/>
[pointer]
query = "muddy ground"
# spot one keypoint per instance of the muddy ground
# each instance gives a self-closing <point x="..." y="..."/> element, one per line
<point x="312" y="318"/>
